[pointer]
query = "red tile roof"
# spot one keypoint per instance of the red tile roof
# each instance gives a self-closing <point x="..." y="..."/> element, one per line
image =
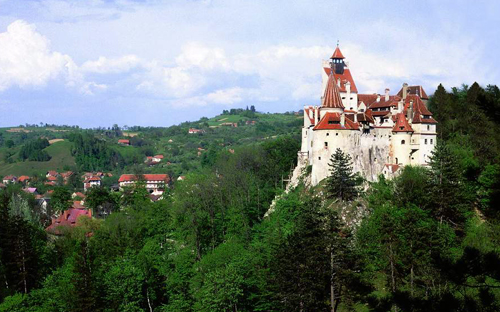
<point x="331" y="121"/>
<point x="80" y="194"/>
<point x="92" y="179"/>
<point x="23" y="178"/>
<point x="368" y="99"/>
<point x="337" y="54"/>
<point x="52" y="178"/>
<point x="158" y="156"/>
<point x="53" y="173"/>
<point x="402" y="124"/>
<point x="332" y="97"/>
<point x="344" y="78"/>
<point x="124" y="141"/>
<point x="68" y="218"/>
<point x="310" y="109"/>
<point x="393" y="101"/>
<point x="147" y="177"/>
<point x="9" y="177"/>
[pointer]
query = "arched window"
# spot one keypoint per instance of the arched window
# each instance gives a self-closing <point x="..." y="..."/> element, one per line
<point x="397" y="162"/>
<point x="402" y="142"/>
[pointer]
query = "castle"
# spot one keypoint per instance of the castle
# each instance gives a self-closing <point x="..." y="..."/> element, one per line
<point x="382" y="133"/>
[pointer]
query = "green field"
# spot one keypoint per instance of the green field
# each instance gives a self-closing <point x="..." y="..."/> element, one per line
<point x="61" y="157"/>
<point x="218" y="120"/>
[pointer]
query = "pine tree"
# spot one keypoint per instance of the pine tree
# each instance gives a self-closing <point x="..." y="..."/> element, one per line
<point x="342" y="183"/>
<point x="447" y="184"/>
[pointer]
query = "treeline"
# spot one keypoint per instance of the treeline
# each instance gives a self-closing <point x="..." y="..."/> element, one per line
<point x="33" y="150"/>
<point x="93" y="154"/>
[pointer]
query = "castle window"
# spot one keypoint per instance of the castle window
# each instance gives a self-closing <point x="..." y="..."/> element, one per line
<point x="326" y="144"/>
<point x="397" y="162"/>
<point x="337" y="133"/>
<point x="432" y="142"/>
<point x="343" y="98"/>
<point x="311" y="143"/>
<point x="328" y="134"/>
<point x="428" y="127"/>
<point x="425" y="141"/>
<point x="402" y="142"/>
<point x="319" y="158"/>
<point x="401" y="128"/>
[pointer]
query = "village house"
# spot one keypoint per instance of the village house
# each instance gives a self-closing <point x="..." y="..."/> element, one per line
<point x="69" y="218"/>
<point x="124" y="142"/>
<point x="23" y="179"/>
<point x="193" y="130"/>
<point x="155" y="183"/>
<point x="9" y="179"/>
<point x="91" y="182"/>
<point x="381" y="133"/>
<point x="52" y="173"/>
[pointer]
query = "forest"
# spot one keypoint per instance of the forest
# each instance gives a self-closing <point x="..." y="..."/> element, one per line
<point x="229" y="238"/>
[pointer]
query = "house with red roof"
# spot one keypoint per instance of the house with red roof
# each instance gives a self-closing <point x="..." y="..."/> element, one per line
<point x="9" y="179"/>
<point x="381" y="132"/>
<point x="154" y="183"/>
<point x="90" y="182"/>
<point x="69" y="218"/>
<point x="24" y="179"/>
<point x="124" y="142"/>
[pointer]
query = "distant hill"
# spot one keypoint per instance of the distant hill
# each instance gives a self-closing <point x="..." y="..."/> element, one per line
<point x="183" y="151"/>
<point x="61" y="157"/>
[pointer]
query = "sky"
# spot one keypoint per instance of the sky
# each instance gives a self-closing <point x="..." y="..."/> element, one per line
<point x="157" y="63"/>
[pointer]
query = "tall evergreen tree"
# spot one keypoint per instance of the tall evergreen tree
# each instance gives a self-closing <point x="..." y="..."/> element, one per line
<point x="447" y="185"/>
<point x="342" y="183"/>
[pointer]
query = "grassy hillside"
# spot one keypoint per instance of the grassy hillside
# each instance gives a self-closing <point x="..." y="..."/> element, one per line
<point x="183" y="151"/>
<point x="61" y="158"/>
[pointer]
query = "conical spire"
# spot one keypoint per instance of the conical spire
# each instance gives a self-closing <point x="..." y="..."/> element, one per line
<point x="337" y="54"/>
<point x="402" y="124"/>
<point x="332" y="97"/>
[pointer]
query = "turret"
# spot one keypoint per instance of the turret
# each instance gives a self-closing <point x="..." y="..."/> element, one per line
<point x="337" y="61"/>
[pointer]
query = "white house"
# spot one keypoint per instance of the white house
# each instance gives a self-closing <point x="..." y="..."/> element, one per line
<point x="155" y="183"/>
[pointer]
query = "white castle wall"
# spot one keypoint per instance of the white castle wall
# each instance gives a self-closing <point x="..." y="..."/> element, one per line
<point x="369" y="152"/>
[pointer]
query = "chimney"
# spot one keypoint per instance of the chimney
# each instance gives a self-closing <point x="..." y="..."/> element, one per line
<point x="378" y="97"/>
<point x="338" y="82"/>
<point x="342" y="119"/>
<point x="409" y="114"/>
<point x="387" y="94"/>
<point x="400" y="106"/>
<point x="405" y="90"/>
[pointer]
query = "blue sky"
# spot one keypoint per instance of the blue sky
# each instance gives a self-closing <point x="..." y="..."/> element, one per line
<point x="99" y="62"/>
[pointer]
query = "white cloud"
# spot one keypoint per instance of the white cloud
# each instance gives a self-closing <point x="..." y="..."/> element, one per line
<point x="26" y="59"/>
<point x="226" y="96"/>
<point x="105" y="65"/>
<point x="196" y="55"/>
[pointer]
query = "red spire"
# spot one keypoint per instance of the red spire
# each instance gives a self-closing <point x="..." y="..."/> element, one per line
<point x="337" y="54"/>
<point x="402" y="124"/>
<point x="332" y="97"/>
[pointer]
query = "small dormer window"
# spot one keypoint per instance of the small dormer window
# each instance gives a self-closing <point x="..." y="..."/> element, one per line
<point x="401" y="128"/>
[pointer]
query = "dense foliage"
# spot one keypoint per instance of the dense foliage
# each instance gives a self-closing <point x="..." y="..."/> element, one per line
<point x="33" y="150"/>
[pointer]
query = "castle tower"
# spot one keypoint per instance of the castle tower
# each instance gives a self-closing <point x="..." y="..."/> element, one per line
<point x="337" y="61"/>
<point x="401" y="140"/>
<point x="332" y="101"/>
